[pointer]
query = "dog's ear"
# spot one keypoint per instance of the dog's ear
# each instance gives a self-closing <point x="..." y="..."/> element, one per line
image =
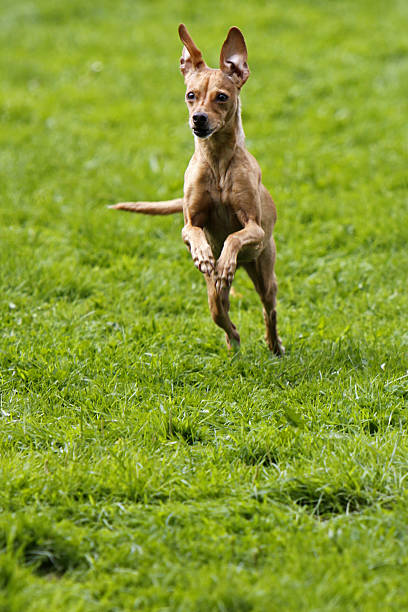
<point x="234" y="56"/>
<point x="191" y="57"/>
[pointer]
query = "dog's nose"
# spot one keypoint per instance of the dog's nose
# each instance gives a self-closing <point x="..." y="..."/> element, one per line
<point x="200" y="119"/>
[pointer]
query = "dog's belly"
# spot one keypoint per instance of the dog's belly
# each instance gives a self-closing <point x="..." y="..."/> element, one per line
<point x="222" y="222"/>
<point x="249" y="253"/>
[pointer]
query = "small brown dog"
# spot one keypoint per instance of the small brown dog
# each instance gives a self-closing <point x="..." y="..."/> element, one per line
<point x="228" y="214"/>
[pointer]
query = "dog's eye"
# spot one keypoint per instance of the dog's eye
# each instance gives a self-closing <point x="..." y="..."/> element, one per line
<point x="190" y="95"/>
<point x="221" y="97"/>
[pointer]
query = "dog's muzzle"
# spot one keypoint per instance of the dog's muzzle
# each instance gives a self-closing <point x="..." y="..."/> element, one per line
<point x="201" y="126"/>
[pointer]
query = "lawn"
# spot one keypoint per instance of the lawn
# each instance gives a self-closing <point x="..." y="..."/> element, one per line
<point x="141" y="466"/>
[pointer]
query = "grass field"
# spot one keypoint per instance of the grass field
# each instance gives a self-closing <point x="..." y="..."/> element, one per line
<point x="141" y="467"/>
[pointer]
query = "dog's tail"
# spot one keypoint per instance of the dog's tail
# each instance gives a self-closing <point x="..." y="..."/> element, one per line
<point x="167" y="207"/>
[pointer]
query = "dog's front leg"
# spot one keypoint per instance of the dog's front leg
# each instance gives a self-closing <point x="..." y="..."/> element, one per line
<point x="200" y="250"/>
<point x="251" y="234"/>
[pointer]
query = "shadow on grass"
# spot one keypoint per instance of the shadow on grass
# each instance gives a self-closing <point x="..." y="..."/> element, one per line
<point x="43" y="547"/>
<point x="184" y="429"/>
<point x="327" y="501"/>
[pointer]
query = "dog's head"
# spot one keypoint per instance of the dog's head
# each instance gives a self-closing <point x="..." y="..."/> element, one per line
<point x="212" y="95"/>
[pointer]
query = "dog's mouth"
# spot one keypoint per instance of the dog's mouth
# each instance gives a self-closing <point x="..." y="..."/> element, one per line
<point x="202" y="132"/>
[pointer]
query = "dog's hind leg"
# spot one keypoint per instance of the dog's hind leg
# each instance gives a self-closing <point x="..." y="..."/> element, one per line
<point x="219" y="304"/>
<point x="263" y="276"/>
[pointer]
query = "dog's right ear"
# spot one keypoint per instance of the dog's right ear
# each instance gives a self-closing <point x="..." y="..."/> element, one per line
<point x="191" y="57"/>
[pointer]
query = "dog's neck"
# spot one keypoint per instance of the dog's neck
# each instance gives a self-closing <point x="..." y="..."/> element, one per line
<point x="219" y="149"/>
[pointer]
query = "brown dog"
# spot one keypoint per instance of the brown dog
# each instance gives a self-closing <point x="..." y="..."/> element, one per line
<point x="228" y="214"/>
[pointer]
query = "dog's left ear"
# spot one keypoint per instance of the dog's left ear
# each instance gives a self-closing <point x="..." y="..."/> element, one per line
<point x="234" y="56"/>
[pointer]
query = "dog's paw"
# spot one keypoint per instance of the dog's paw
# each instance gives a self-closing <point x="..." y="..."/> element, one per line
<point x="277" y="347"/>
<point x="203" y="259"/>
<point x="224" y="273"/>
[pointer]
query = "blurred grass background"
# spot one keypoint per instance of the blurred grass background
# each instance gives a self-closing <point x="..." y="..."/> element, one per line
<point x="141" y="467"/>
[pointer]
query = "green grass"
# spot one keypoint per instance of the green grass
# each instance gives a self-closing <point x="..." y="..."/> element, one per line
<point x="141" y="467"/>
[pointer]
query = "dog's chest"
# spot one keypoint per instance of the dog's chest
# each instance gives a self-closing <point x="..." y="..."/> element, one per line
<point x="221" y="220"/>
<point x="212" y="193"/>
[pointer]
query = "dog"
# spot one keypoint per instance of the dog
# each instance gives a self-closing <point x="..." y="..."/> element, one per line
<point x="229" y="215"/>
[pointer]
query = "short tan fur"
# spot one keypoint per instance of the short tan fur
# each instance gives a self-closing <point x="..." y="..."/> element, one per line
<point x="228" y="214"/>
